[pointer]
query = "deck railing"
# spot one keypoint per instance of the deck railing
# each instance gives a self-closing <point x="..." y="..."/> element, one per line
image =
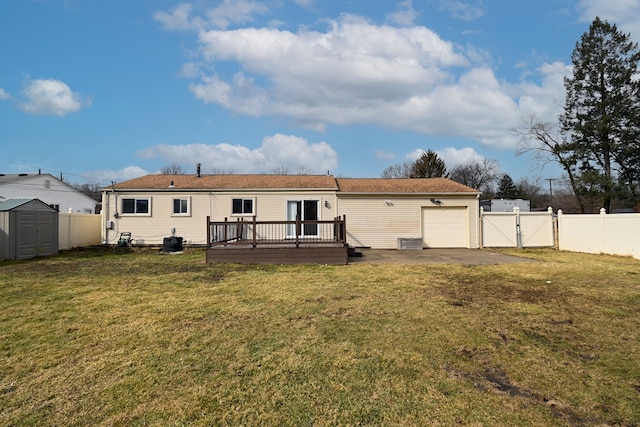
<point x="254" y="232"/>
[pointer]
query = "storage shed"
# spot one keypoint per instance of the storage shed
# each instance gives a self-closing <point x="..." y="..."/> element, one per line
<point x="28" y="229"/>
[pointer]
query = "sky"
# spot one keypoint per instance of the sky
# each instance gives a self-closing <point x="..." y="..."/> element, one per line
<point x="100" y="91"/>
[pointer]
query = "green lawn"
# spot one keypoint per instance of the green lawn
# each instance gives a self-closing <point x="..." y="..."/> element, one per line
<point x="96" y="337"/>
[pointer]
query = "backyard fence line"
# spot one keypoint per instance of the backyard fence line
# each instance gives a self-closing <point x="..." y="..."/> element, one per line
<point x="76" y="230"/>
<point x="613" y="234"/>
<point x="517" y="229"/>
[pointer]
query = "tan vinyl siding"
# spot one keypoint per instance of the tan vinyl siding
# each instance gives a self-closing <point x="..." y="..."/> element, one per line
<point x="372" y="222"/>
<point x="151" y="230"/>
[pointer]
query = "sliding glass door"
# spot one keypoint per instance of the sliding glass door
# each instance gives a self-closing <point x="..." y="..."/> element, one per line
<point x="306" y="210"/>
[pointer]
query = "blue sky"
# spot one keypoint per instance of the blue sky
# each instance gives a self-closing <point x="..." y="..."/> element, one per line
<point x="105" y="91"/>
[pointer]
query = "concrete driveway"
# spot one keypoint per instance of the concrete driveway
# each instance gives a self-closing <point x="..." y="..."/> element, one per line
<point x="435" y="256"/>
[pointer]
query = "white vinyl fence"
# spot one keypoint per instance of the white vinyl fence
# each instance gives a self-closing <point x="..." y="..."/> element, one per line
<point x="617" y="234"/>
<point x="77" y="230"/>
<point x="517" y="229"/>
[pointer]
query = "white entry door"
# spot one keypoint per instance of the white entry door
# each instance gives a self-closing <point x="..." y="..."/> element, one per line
<point x="445" y="227"/>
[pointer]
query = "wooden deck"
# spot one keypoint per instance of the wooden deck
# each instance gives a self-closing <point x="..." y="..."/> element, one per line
<point x="280" y="254"/>
<point x="271" y="242"/>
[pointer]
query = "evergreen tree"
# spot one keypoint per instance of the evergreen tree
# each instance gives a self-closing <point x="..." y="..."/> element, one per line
<point x="506" y="188"/>
<point x="429" y="165"/>
<point x="602" y="114"/>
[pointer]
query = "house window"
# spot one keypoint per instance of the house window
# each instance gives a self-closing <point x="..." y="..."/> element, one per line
<point x="136" y="206"/>
<point x="181" y="206"/>
<point x="242" y="207"/>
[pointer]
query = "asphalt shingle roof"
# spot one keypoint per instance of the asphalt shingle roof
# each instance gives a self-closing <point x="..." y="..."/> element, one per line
<point x="294" y="182"/>
<point x="401" y="185"/>
<point x="230" y="182"/>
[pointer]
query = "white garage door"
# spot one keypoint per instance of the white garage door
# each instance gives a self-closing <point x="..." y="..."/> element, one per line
<point x="445" y="227"/>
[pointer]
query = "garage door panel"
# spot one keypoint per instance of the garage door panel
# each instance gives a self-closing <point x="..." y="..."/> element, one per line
<point x="445" y="227"/>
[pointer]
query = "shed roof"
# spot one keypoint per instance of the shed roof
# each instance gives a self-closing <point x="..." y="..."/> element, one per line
<point x="36" y="204"/>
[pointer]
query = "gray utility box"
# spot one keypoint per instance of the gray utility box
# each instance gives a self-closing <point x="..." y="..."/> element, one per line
<point x="409" y="243"/>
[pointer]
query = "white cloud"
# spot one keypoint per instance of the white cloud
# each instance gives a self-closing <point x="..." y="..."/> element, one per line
<point x="544" y="100"/>
<point x="357" y="72"/>
<point x="120" y="175"/>
<point x="178" y="19"/>
<point x="276" y="151"/>
<point x="226" y="13"/>
<point x="4" y="95"/>
<point x="405" y="14"/>
<point x="451" y="156"/>
<point x="304" y="3"/>
<point x="454" y="156"/>
<point x="624" y="13"/>
<point x="383" y="154"/>
<point x="463" y="10"/>
<point x="50" y="97"/>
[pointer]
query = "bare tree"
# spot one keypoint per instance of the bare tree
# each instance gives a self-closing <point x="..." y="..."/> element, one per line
<point x="172" y="169"/>
<point x="399" y="170"/>
<point x="287" y="170"/>
<point x="91" y="189"/>
<point x="480" y="175"/>
<point x="545" y="141"/>
<point x="532" y="191"/>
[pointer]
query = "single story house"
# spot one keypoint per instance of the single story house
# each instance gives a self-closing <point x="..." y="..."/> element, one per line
<point x="47" y="188"/>
<point x="378" y="211"/>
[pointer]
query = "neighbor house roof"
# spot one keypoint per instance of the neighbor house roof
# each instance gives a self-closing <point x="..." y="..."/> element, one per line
<point x="294" y="182"/>
<point x="401" y="185"/>
<point x="7" y="178"/>
<point x="230" y="182"/>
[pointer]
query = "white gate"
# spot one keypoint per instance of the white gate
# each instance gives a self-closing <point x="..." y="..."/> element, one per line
<point x="517" y="229"/>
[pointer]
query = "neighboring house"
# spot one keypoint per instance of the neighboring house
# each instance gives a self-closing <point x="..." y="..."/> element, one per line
<point x="378" y="211"/>
<point x="48" y="189"/>
<point x="505" y="205"/>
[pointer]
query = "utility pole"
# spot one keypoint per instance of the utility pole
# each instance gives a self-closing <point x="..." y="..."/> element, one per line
<point x="550" y="189"/>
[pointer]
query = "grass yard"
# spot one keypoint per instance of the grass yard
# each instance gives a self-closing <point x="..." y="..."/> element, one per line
<point x="94" y="337"/>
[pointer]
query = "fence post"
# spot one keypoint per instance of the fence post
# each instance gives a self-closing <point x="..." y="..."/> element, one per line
<point x="603" y="228"/>
<point x="554" y="228"/>
<point x="481" y="229"/>
<point x="559" y="229"/>
<point x="516" y="211"/>
<point x="208" y="231"/>
<point x="224" y="233"/>
<point x="344" y="229"/>
<point x="254" y="232"/>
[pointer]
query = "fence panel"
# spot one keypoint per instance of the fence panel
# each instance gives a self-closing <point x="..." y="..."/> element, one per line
<point x="517" y="229"/>
<point x="77" y="230"/>
<point x="610" y="234"/>
<point x="536" y="229"/>
<point x="499" y="230"/>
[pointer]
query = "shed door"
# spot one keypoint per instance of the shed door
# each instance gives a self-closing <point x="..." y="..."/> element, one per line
<point x="445" y="227"/>
<point x="37" y="235"/>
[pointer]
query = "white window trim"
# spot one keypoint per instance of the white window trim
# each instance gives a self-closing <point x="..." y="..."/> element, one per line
<point x="188" y="199"/>
<point x="253" y="204"/>
<point x="149" y="199"/>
